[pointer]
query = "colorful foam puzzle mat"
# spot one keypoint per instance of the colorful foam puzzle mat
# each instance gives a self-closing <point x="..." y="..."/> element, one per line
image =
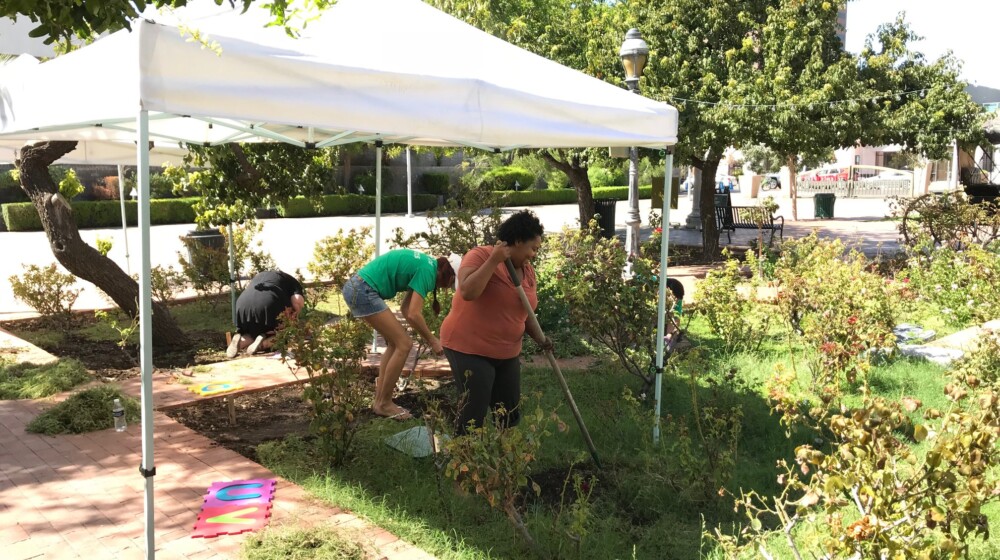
<point x="235" y="507"/>
<point x="209" y="388"/>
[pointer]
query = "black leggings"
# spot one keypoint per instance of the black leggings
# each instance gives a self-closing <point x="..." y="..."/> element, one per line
<point x="485" y="384"/>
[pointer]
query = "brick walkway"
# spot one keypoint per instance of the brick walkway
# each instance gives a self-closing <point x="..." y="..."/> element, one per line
<point x="81" y="496"/>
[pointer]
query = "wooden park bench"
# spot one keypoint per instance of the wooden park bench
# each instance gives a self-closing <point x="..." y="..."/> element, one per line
<point x="731" y="218"/>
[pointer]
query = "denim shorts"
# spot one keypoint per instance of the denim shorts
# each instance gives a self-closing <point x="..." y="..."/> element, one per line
<point x="362" y="299"/>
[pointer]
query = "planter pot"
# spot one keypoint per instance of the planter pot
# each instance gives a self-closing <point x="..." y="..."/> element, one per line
<point x="207" y="238"/>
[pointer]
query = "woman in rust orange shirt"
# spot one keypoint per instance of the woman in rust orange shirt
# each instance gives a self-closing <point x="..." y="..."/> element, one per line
<point x="482" y="333"/>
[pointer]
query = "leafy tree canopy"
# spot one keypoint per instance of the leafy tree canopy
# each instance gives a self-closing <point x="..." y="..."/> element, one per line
<point x="926" y="121"/>
<point x="235" y="179"/>
<point x="62" y="20"/>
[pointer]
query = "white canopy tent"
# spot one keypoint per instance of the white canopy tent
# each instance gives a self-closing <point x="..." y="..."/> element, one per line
<point x="422" y="77"/>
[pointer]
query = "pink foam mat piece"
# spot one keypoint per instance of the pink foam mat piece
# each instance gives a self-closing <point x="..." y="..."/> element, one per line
<point x="235" y="507"/>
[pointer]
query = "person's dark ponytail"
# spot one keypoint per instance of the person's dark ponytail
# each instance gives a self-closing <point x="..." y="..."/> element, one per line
<point x="445" y="277"/>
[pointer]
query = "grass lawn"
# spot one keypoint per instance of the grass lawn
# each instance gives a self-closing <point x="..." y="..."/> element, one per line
<point x="642" y="506"/>
<point x="649" y="501"/>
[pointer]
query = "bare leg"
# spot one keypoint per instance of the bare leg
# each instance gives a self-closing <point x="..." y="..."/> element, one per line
<point x="245" y="341"/>
<point x="383" y="363"/>
<point x="398" y="345"/>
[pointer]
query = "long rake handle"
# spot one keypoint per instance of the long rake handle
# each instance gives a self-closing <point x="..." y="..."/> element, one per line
<point x="555" y="366"/>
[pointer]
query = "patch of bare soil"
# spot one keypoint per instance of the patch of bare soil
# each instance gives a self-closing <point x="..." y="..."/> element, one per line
<point x="557" y="485"/>
<point x="106" y="359"/>
<point x="272" y="415"/>
<point x="688" y="255"/>
<point x="260" y="417"/>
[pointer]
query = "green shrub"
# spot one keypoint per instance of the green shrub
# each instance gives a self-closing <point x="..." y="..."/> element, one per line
<point x="87" y="411"/>
<point x="161" y="186"/>
<point x="70" y="186"/>
<point x="338" y="256"/>
<point x="621" y="314"/>
<point x="470" y="218"/>
<point x="366" y="179"/>
<point x="352" y="204"/>
<point x="338" y="391"/>
<point x="538" y="198"/>
<point x="621" y="193"/>
<point x="166" y="282"/>
<point x="22" y="216"/>
<point x="868" y="490"/>
<point x="32" y="381"/>
<point x="566" y="196"/>
<point x="739" y="323"/>
<point x="495" y="463"/>
<point x="10" y="188"/>
<point x="505" y="179"/>
<point x="960" y="284"/>
<point x="104" y="245"/>
<point x="435" y="183"/>
<point x="46" y="290"/>
<point x="603" y="177"/>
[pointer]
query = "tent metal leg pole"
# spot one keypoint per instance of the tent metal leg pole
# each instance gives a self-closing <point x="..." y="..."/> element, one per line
<point x="147" y="469"/>
<point x="409" y="186"/>
<point x="378" y="215"/>
<point x="121" y="198"/>
<point x="668" y="185"/>
<point x="232" y="273"/>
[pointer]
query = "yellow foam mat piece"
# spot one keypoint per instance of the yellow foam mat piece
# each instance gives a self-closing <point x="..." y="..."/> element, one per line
<point x="214" y="387"/>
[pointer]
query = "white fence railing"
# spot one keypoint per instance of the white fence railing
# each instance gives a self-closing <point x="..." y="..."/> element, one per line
<point x="864" y="188"/>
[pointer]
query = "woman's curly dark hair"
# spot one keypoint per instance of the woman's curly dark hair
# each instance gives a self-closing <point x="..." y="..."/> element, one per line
<point x="521" y="226"/>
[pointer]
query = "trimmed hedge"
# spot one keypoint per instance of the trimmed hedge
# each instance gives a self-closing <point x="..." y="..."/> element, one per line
<point x="350" y="204"/>
<point x="568" y="196"/>
<point x="504" y="178"/>
<point x="435" y="183"/>
<point x="604" y="177"/>
<point x="21" y="216"/>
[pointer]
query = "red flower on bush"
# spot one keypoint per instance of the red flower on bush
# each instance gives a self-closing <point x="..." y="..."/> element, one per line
<point x="852" y="320"/>
<point x="658" y="230"/>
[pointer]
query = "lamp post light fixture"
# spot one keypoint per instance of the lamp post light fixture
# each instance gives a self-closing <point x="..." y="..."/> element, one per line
<point x="634" y="53"/>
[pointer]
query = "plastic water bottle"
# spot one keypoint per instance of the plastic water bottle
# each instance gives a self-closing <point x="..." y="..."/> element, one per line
<point x="119" y="413"/>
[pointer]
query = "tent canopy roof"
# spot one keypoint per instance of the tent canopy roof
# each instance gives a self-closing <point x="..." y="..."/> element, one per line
<point x="396" y="70"/>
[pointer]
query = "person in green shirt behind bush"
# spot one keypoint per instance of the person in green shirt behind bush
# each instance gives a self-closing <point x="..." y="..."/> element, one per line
<point x="419" y="275"/>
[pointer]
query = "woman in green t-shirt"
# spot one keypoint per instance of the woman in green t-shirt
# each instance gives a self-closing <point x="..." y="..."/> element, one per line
<point x="399" y="270"/>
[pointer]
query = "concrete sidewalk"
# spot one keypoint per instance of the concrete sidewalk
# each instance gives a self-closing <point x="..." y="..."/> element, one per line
<point x="291" y="242"/>
<point x="81" y="496"/>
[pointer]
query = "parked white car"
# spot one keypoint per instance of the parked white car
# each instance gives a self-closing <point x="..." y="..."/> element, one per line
<point x="892" y="175"/>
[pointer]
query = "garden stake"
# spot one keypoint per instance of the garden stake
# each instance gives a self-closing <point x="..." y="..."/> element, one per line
<point x="555" y="366"/>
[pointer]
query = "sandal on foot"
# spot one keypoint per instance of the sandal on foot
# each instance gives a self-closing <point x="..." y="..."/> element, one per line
<point x="401" y="415"/>
<point x="252" y="349"/>
<point x="234" y="346"/>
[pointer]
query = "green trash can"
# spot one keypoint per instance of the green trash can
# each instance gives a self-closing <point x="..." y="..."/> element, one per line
<point x="823" y="203"/>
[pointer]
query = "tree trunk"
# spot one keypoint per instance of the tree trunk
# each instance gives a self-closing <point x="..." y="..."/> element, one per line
<point x="579" y="180"/>
<point x="346" y="154"/>
<point x="80" y="259"/>
<point x="793" y="187"/>
<point x="709" y="228"/>
<point x="584" y="194"/>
